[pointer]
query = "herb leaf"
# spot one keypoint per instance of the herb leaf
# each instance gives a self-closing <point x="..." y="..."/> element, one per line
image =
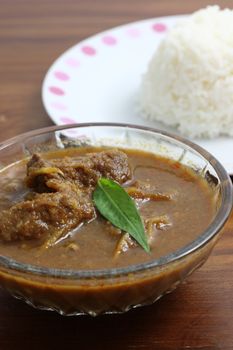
<point x="118" y="207"/>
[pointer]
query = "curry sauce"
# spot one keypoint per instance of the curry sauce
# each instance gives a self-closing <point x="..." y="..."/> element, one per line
<point x="48" y="217"/>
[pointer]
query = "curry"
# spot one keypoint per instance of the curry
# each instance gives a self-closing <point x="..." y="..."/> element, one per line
<point x="58" y="252"/>
<point x="48" y="217"/>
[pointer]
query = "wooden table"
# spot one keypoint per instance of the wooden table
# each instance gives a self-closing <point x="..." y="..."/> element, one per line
<point x="199" y="314"/>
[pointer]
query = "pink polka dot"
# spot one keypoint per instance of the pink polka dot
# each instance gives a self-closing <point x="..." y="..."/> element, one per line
<point x="61" y="75"/>
<point x="72" y="62"/>
<point x="56" y="90"/>
<point x="67" y="120"/>
<point x="88" y="50"/>
<point x="59" y="106"/>
<point x="159" y="27"/>
<point x="109" y="40"/>
<point x="133" y="32"/>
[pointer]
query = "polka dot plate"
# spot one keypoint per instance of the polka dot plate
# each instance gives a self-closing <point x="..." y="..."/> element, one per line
<point x="98" y="80"/>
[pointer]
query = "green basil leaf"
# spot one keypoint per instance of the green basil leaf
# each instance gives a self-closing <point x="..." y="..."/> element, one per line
<point x="114" y="203"/>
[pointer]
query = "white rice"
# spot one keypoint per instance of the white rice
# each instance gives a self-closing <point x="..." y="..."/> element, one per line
<point x="189" y="82"/>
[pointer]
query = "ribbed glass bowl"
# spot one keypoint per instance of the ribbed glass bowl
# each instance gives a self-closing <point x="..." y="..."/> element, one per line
<point x="94" y="292"/>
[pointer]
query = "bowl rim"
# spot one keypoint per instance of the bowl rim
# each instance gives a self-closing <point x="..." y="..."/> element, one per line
<point x="214" y="227"/>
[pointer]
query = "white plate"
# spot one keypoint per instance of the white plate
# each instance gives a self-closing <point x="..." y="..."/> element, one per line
<point x="98" y="80"/>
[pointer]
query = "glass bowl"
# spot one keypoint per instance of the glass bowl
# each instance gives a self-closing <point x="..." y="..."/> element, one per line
<point x="94" y="292"/>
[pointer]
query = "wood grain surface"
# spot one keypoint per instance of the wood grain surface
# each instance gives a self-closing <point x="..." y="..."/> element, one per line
<point x="199" y="314"/>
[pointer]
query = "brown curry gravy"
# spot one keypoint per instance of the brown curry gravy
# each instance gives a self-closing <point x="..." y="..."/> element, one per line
<point x="92" y="245"/>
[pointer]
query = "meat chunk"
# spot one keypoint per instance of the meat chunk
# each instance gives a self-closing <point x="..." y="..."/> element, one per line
<point x="62" y="194"/>
<point x="84" y="171"/>
<point x="39" y="171"/>
<point x="46" y="213"/>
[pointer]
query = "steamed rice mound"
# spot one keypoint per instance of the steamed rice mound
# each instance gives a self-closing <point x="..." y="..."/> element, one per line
<point x="189" y="82"/>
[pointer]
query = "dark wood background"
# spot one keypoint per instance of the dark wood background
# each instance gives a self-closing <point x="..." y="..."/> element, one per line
<point x="199" y="314"/>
